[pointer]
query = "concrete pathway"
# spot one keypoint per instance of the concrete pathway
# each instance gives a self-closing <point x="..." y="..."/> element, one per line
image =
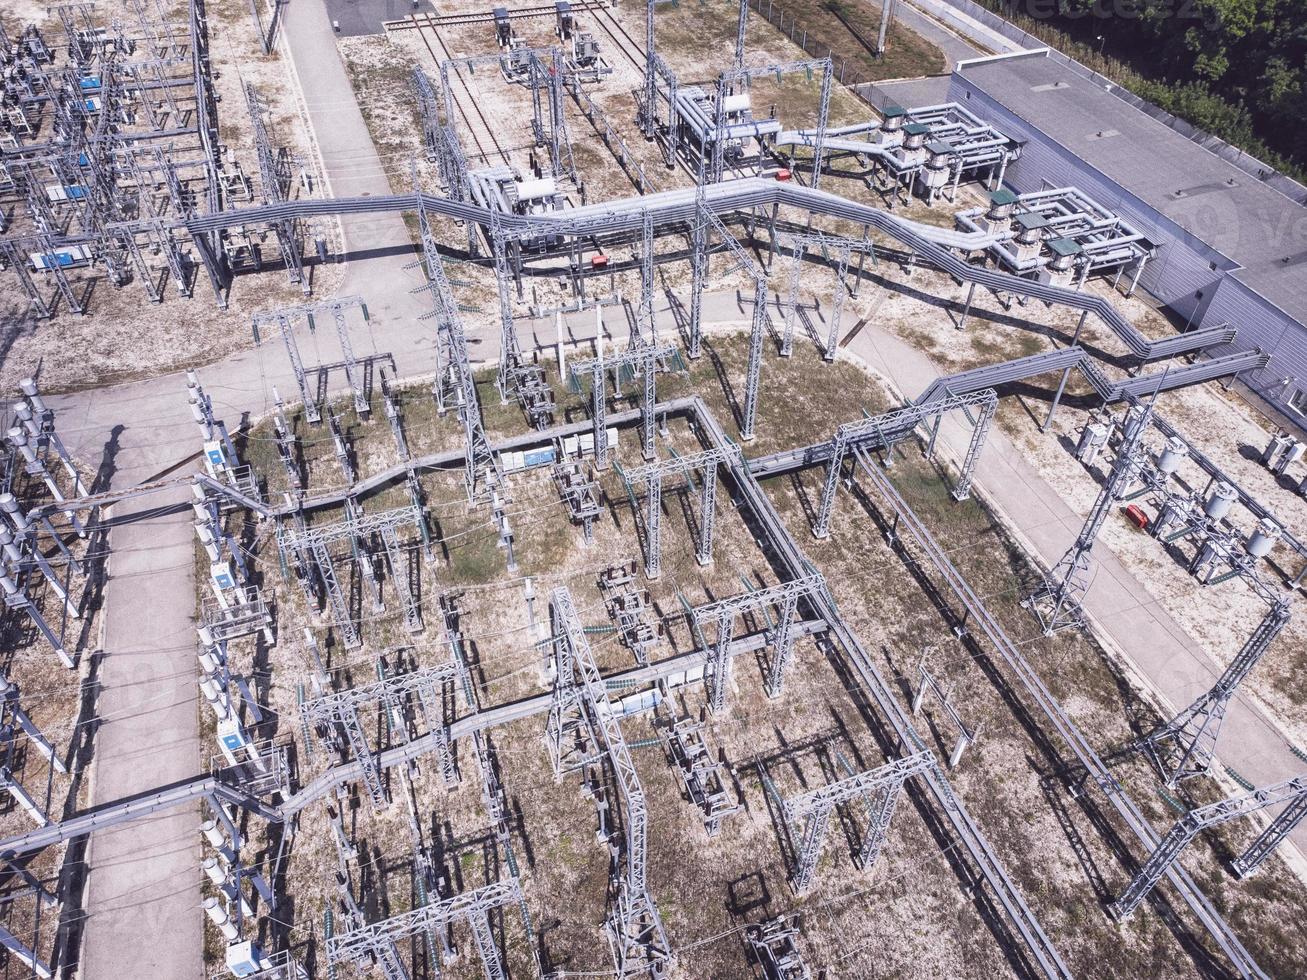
<point x="963" y="26"/>
<point x="955" y="47"/>
<point x="142" y="904"/>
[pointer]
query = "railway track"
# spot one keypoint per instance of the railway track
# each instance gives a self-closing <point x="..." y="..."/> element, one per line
<point x="609" y="22"/>
<point x="422" y="29"/>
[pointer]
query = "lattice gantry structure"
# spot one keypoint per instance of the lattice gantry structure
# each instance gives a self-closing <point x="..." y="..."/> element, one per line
<point x="722" y="615"/>
<point x="647" y="361"/>
<point x="455" y="385"/>
<point x="837" y="251"/>
<point x="807" y="815"/>
<point x="111" y="149"/>
<point x="356" y="372"/>
<point x="705" y="226"/>
<point x="1058" y="603"/>
<point x="703" y="463"/>
<point x="39" y="486"/>
<point x="376" y="942"/>
<point x="1185" y="745"/>
<point x="309" y="547"/>
<point x="402" y="698"/>
<point x="580" y="714"/>
<point x="883" y="432"/>
<point x="1291" y="794"/>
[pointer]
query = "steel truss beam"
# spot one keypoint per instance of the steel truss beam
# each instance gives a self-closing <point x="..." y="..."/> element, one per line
<point x="1290" y="791"/>
<point x="809" y="813"/>
<point x="634" y="927"/>
<point x="705" y="463"/>
<point x="723" y="613"/>
<point x="882" y="432"/>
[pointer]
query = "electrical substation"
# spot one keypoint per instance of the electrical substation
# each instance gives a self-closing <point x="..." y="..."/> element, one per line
<point x="610" y="490"/>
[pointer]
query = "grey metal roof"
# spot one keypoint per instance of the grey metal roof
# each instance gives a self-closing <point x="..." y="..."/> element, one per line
<point x="1252" y="224"/>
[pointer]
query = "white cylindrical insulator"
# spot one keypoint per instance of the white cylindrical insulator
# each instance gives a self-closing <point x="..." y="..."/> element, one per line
<point x="1263" y="538"/>
<point x="219" y="917"/>
<point x="209" y="661"/>
<point x="213" y="834"/>
<point x="29" y="389"/>
<point x="18" y="436"/>
<point x="9" y="506"/>
<point x="1132" y="416"/>
<point x="215" y="697"/>
<point x="8" y="545"/>
<point x="207" y="541"/>
<point x="9" y="586"/>
<point x="206" y="635"/>
<point x="1220" y="500"/>
<point x="215" y="871"/>
<point x="24" y="414"/>
<point x="196" y="408"/>
<point x="1172" y="455"/>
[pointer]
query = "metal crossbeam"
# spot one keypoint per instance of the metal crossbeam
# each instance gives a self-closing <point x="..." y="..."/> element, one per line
<point x="723" y="613"/>
<point x="1291" y="791"/>
<point x="810" y="812"/>
<point x="1185" y="745"/>
<point x="882" y="432"/>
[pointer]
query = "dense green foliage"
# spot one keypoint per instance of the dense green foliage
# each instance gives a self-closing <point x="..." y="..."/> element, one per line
<point x="1237" y="68"/>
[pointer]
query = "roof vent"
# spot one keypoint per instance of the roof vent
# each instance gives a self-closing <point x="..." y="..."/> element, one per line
<point x="1050" y="87"/>
<point x="1104" y="134"/>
